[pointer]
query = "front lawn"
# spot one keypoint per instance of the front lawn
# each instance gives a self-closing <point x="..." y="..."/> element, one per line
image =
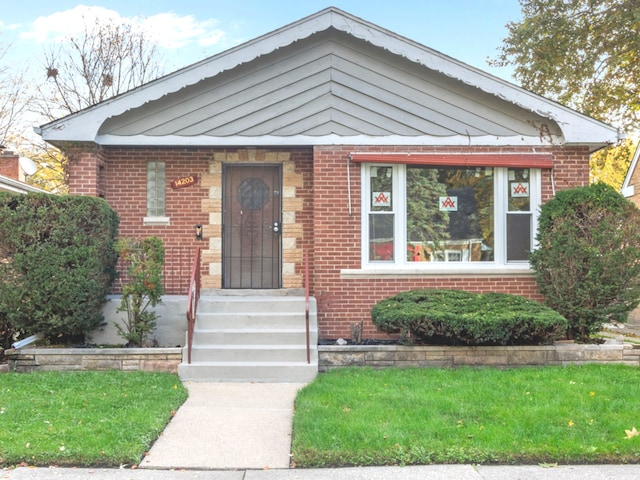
<point x="361" y="416"/>
<point x="84" y="418"/>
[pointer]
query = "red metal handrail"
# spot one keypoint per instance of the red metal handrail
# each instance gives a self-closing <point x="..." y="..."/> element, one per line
<point x="306" y="305"/>
<point x="192" y="302"/>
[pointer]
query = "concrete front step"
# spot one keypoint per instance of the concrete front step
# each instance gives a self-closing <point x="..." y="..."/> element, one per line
<point x="252" y="338"/>
<point x="265" y="372"/>
<point x="253" y="304"/>
<point x="251" y="353"/>
<point x="256" y="320"/>
<point x="265" y="336"/>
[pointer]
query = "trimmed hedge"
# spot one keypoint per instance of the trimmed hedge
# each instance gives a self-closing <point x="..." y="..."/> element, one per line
<point x="454" y="317"/>
<point x="57" y="263"/>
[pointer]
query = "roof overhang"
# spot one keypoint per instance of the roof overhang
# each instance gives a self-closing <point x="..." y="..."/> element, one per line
<point x="84" y="126"/>
<point x="14" y="186"/>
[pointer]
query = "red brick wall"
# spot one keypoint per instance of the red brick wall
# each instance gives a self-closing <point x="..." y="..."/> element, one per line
<point x="84" y="164"/>
<point x="119" y="175"/>
<point x="331" y="233"/>
<point x="9" y="166"/>
<point x="125" y="180"/>
<point x="337" y="243"/>
<point x="303" y="160"/>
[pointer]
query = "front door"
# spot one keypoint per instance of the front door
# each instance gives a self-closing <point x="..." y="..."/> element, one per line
<point x="251" y="223"/>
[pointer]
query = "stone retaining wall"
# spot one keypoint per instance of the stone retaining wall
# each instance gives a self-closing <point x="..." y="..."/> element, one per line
<point x="128" y="359"/>
<point x="333" y="356"/>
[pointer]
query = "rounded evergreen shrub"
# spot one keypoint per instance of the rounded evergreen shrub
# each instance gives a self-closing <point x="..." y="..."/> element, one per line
<point x="587" y="261"/>
<point x="57" y="263"/>
<point x="454" y="317"/>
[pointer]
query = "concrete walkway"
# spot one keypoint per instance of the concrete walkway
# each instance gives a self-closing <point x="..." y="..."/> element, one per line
<point x="228" y="426"/>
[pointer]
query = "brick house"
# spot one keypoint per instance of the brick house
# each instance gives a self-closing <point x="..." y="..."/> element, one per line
<point x="392" y="165"/>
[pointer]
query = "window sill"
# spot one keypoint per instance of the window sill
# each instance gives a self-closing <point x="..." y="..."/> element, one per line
<point x="156" y="221"/>
<point x="445" y="270"/>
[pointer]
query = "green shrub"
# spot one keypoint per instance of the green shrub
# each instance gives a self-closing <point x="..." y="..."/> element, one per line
<point x="588" y="260"/>
<point x="455" y="317"/>
<point x="144" y="259"/>
<point x="58" y="263"/>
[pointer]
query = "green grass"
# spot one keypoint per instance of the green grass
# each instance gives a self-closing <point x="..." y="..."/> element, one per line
<point x="361" y="416"/>
<point x="84" y="418"/>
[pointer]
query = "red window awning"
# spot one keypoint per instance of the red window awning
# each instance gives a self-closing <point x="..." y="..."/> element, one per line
<point x="514" y="160"/>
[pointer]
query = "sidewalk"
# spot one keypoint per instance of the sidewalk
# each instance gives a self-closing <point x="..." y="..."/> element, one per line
<point x="431" y="472"/>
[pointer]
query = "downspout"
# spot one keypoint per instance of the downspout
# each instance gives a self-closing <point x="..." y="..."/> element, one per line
<point x="349" y="182"/>
<point x="27" y="341"/>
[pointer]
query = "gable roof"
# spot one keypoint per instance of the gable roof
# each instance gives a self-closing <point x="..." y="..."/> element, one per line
<point x="330" y="78"/>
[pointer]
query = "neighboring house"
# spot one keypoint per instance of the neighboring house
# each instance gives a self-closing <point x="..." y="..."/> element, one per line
<point x="631" y="190"/>
<point x="631" y="184"/>
<point x="392" y="165"/>
<point x="13" y="175"/>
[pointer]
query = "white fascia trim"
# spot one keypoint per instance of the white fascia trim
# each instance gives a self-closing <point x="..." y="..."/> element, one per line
<point x="306" y="140"/>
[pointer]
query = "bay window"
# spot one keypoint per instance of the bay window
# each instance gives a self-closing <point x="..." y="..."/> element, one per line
<point x="421" y="216"/>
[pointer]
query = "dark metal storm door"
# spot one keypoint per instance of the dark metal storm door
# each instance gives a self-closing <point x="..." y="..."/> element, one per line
<point x="251" y="223"/>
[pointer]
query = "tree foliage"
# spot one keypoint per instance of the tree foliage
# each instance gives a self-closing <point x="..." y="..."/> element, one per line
<point x="144" y="259"/>
<point x="106" y="59"/>
<point x="57" y="263"/>
<point x="587" y="263"/>
<point x="14" y="100"/>
<point x="585" y="54"/>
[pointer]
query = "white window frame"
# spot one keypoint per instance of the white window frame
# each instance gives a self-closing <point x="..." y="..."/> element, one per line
<point x="402" y="266"/>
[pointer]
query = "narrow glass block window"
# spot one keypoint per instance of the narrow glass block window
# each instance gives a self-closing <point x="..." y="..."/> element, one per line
<point x="381" y="216"/>
<point x="519" y="215"/>
<point x="156" y="205"/>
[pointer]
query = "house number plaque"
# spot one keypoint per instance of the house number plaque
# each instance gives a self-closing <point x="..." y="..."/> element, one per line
<point x="184" y="181"/>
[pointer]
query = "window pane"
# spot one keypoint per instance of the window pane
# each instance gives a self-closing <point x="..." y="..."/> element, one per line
<point x="450" y="214"/>
<point x="518" y="237"/>
<point x="519" y="190"/>
<point x="381" y="237"/>
<point x="381" y="189"/>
